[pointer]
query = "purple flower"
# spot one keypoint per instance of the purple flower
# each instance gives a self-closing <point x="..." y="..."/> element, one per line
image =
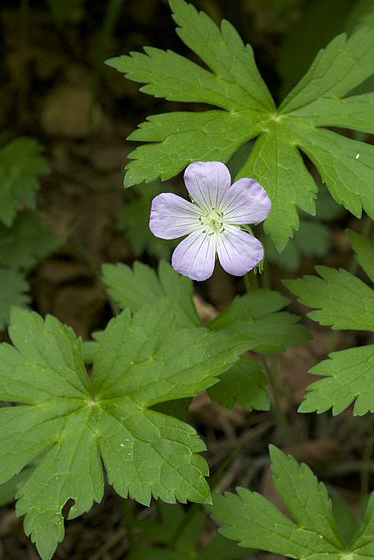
<point x="212" y="221"/>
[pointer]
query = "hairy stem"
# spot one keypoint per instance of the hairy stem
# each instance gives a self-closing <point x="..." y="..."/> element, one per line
<point x="279" y="413"/>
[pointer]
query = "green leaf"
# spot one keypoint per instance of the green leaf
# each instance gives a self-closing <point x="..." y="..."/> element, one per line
<point x="8" y="490"/>
<point x="344" y="518"/>
<point x="253" y="521"/>
<point x="176" y="139"/>
<point x="244" y="383"/>
<point x="345" y="165"/>
<point x="275" y="161"/>
<point x="20" y="164"/>
<point x="343" y="300"/>
<point x="27" y="242"/>
<point x="319" y="23"/>
<point x="257" y="317"/>
<point x="348" y="377"/>
<point x="141" y="285"/>
<point x="364" y="542"/>
<point x="13" y="292"/>
<point x="244" y="110"/>
<point x="351" y="59"/>
<point x="135" y="222"/>
<point x="74" y="422"/>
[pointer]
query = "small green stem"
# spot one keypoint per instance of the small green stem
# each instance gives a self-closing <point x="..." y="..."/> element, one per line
<point x="24" y="15"/>
<point x="110" y="19"/>
<point x="278" y="409"/>
<point x="213" y="482"/>
<point x="365" y="471"/>
<point x="251" y="282"/>
<point x="130" y="524"/>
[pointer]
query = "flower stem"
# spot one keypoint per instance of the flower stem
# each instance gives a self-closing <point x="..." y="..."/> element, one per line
<point x="130" y="524"/>
<point x="251" y="282"/>
<point x="280" y="416"/>
<point x="112" y="13"/>
<point x="23" y="85"/>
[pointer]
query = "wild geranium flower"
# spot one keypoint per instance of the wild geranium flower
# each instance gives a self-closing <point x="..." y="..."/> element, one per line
<point x="212" y="221"/>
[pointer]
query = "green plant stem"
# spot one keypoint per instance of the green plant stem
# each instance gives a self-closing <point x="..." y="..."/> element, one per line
<point x="365" y="471"/>
<point x="110" y="19"/>
<point x="213" y="482"/>
<point x="251" y="282"/>
<point x="278" y="410"/>
<point x="23" y="87"/>
<point x="130" y="524"/>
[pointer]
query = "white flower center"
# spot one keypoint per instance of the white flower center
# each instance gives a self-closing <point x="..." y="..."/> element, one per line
<point x="212" y="221"/>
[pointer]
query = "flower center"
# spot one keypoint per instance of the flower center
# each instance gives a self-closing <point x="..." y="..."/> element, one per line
<point x="212" y="221"/>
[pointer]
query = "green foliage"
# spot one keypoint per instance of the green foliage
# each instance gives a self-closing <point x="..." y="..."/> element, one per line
<point x="72" y="422"/>
<point x="13" y="291"/>
<point x="246" y="110"/>
<point x="257" y="317"/>
<point x="135" y="222"/>
<point x="319" y="24"/>
<point x="24" y="241"/>
<point x="27" y="242"/>
<point x="244" y="383"/>
<point x="176" y="536"/>
<point x="311" y="533"/>
<point x="9" y="489"/>
<point x="313" y="237"/>
<point x="141" y="285"/>
<point x="344" y="302"/>
<point x="20" y="164"/>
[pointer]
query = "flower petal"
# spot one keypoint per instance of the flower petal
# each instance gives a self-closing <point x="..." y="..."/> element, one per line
<point x="172" y="216"/>
<point x="195" y="256"/>
<point x="238" y="252"/>
<point x="246" y="202"/>
<point x="207" y="183"/>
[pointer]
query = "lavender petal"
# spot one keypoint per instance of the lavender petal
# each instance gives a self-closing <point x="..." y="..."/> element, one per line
<point x="246" y="202"/>
<point x="195" y="256"/>
<point x="172" y="216"/>
<point x="238" y="252"/>
<point x="207" y="182"/>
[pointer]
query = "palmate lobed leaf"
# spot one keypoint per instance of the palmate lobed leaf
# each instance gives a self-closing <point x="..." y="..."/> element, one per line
<point x="72" y="423"/>
<point x="246" y="111"/>
<point x="312" y="532"/>
<point x="345" y="302"/>
<point x="256" y="318"/>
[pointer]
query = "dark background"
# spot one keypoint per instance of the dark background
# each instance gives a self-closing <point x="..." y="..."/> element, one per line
<point x="55" y="87"/>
